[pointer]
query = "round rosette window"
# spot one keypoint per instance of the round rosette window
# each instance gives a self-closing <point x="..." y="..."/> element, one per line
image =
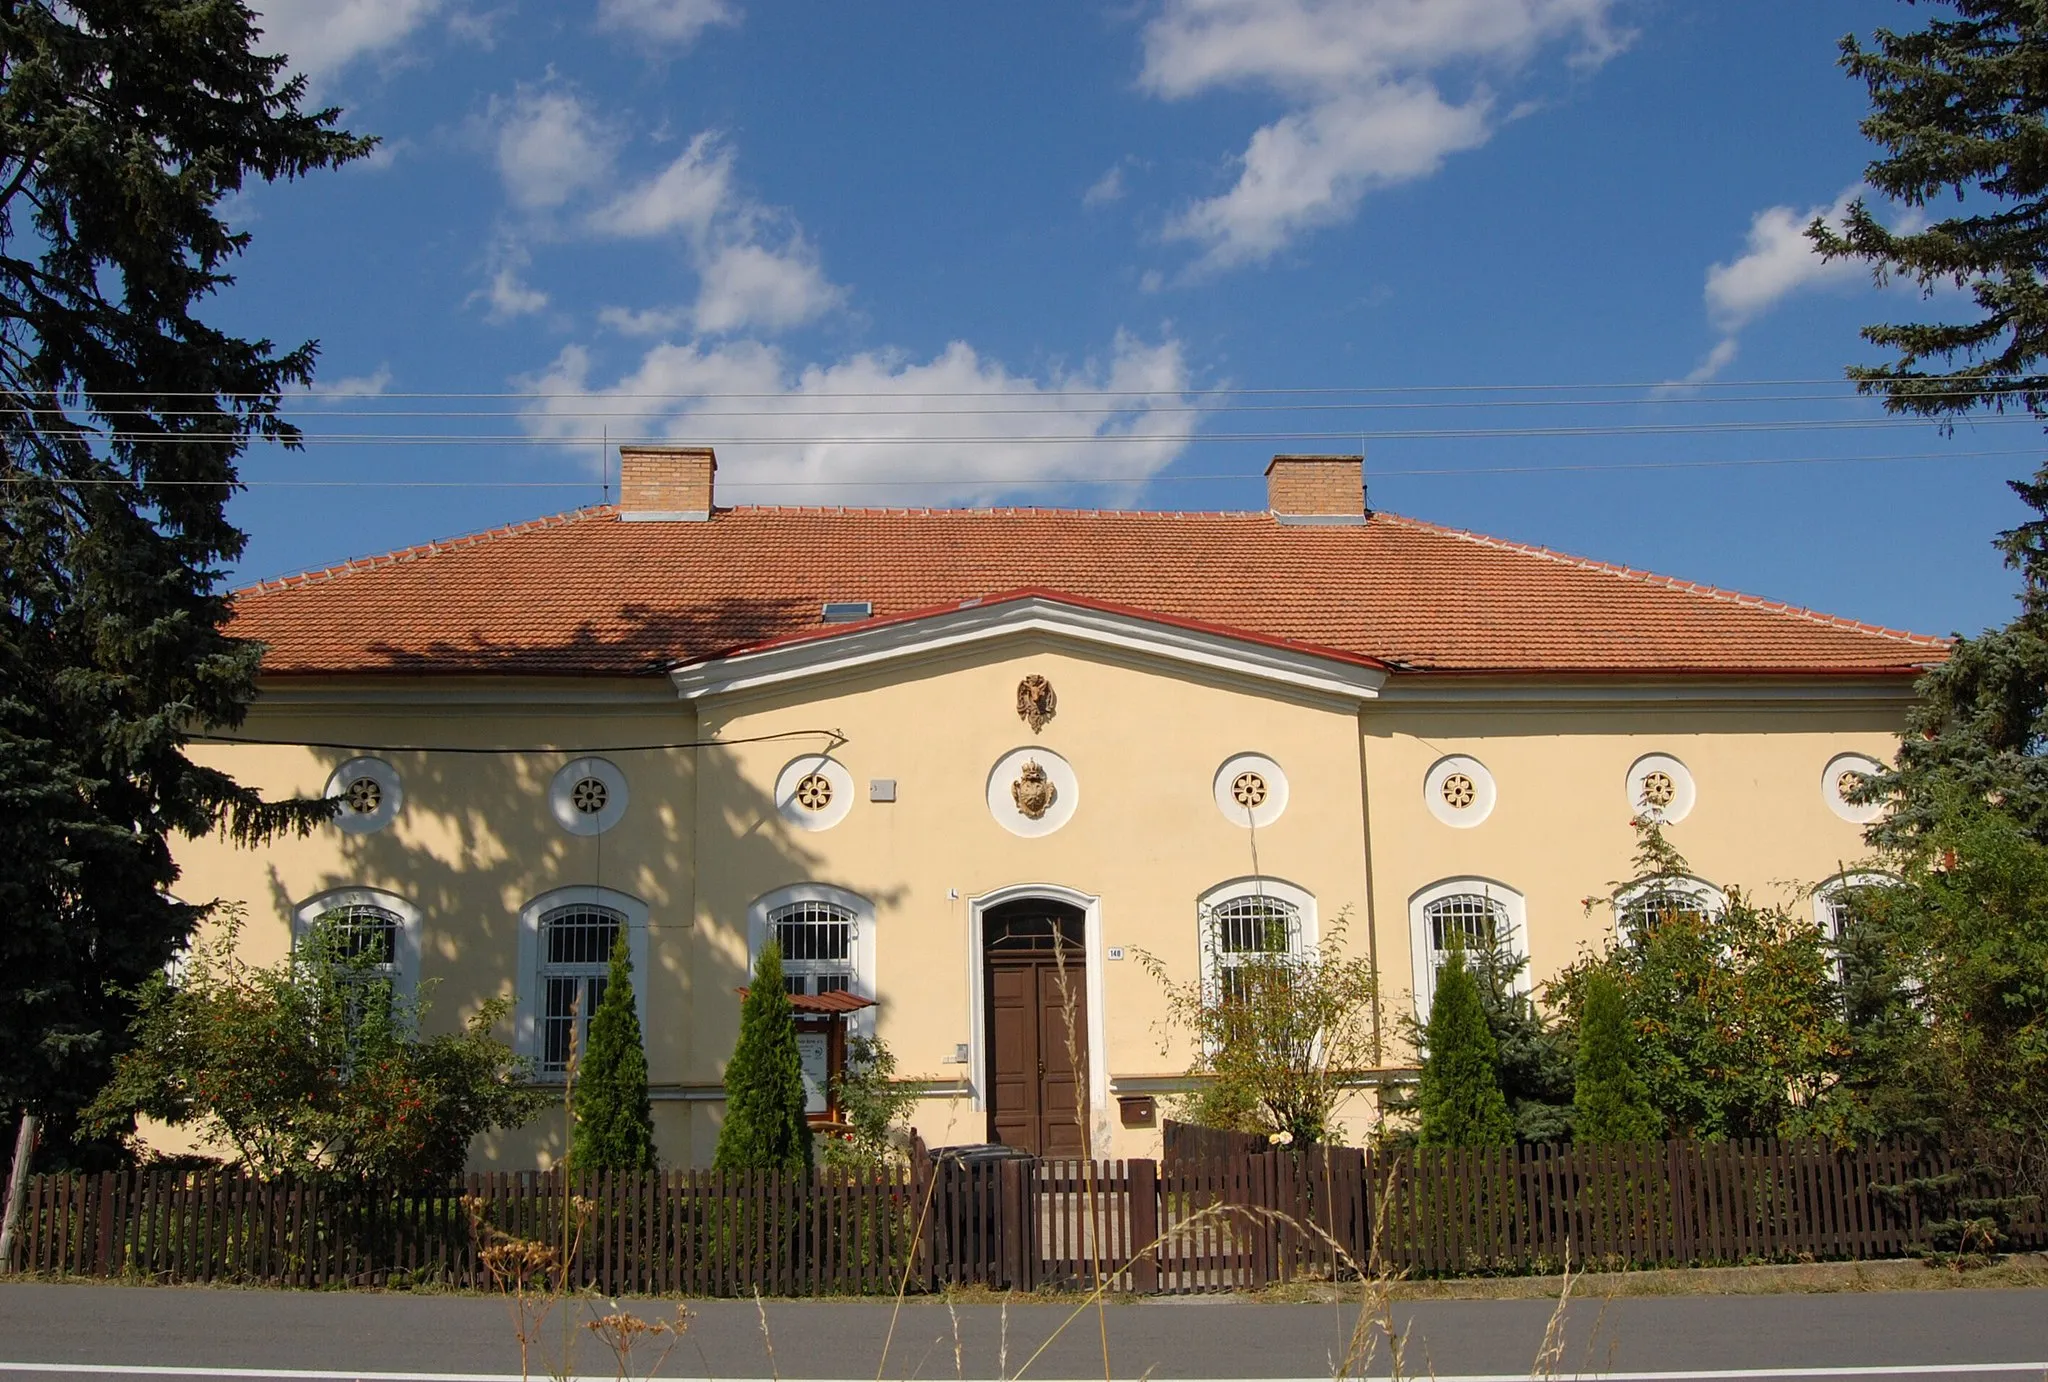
<point x="1458" y="791"/>
<point x="1032" y="792"/>
<point x="1841" y="777"/>
<point x="814" y="792"/>
<point x="1660" y="787"/>
<point x="1251" y="790"/>
<point x="588" y="796"/>
<point x="371" y="795"/>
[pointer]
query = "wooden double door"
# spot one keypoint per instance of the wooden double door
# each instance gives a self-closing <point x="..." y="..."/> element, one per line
<point x="1035" y="969"/>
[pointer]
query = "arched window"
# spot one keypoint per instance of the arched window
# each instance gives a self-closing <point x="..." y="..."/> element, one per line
<point x="817" y="940"/>
<point x="376" y="931"/>
<point x="827" y="939"/>
<point x="1641" y="907"/>
<point x="576" y="953"/>
<point x="1474" y="915"/>
<point x="565" y="952"/>
<point x="1249" y="920"/>
<point x="1834" y="909"/>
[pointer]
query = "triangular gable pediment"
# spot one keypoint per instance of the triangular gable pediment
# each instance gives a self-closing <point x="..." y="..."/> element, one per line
<point x="971" y="623"/>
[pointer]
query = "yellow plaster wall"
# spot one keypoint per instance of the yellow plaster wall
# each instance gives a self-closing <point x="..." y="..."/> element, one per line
<point x="702" y="839"/>
<point x="1560" y="832"/>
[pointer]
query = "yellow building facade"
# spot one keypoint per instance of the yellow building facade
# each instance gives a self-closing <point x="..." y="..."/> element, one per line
<point x="954" y="760"/>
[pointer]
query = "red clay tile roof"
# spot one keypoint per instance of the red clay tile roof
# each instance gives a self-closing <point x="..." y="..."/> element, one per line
<point x="584" y="593"/>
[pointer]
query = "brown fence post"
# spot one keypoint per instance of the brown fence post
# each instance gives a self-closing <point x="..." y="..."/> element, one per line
<point x="1142" y="1190"/>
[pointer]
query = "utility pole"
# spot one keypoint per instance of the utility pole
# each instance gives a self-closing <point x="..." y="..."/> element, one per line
<point x="17" y="1185"/>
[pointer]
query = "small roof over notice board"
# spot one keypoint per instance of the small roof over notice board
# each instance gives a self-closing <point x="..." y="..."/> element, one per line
<point x="825" y="1004"/>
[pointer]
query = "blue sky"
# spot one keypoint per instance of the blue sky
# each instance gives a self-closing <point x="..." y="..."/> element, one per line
<point x="1057" y="231"/>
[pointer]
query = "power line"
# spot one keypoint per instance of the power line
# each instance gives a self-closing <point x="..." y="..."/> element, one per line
<point x="830" y="734"/>
<point x="2012" y="383"/>
<point x="1052" y="482"/>
<point x="1097" y="438"/>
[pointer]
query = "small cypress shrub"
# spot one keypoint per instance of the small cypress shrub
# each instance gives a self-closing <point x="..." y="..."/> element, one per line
<point x="1610" y="1099"/>
<point x="614" y="1123"/>
<point x="765" y="1127"/>
<point x="1459" y="1099"/>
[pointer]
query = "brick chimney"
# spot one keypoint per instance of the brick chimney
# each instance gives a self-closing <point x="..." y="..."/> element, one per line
<point x="1316" y="489"/>
<point x="666" y="482"/>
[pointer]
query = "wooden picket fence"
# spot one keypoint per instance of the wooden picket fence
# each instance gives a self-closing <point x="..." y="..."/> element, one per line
<point x="1191" y="1224"/>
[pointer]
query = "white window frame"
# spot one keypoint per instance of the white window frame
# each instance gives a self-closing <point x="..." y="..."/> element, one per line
<point x="1713" y="900"/>
<point x="865" y="979"/>
<point x="527" y="1004"/>
<point x="405" y="957"/>
<point x="1304" y="937"/>
<point x="1423" y="954"/>
<point x="1824" y="911"/>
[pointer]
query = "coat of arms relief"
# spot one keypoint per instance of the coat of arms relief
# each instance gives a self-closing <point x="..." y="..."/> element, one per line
<point x="1035" y="701"/>
<point x="1033" y="790"/>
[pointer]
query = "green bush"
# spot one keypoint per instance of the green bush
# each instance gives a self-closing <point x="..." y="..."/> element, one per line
<point x="614" y="1128"/>
<point x="765" y="1127"/>
<point x="1459" y="1102"/>
<point x="1610" y="1100"/>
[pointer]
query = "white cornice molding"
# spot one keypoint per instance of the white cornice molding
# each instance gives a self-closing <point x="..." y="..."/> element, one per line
<point x="979" y="624"/>
<point x="456" y="692"/>
<point x="1833" y="692"/>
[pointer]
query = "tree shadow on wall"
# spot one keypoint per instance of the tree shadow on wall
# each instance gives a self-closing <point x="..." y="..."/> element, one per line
<point x="477" y="840"/>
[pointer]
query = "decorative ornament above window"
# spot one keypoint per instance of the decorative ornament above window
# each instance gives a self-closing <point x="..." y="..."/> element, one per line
<point x="1661" y="788"/>
<point x="588" y="796"/>
<point x="1248" y="790"/>
<point x="370" y="793"/>
<point x="1251" y="790"/>
<point x="1036" y="703"/>
<point x="1840" y="779"/>
<point x="814" y="792"/>
<point x="1459" y="791"/>
<point x="1033" y="791"/>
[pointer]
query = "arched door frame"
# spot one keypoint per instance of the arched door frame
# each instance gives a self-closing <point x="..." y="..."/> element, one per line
<point x="1090" y="906"/>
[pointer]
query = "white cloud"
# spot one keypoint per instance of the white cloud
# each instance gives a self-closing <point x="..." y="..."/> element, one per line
<point x="323" y="36"/>
<point x="359" y="385"/>
<point x="549" y="147"/>
<point x="1777" y="261"/>
<point x="1105" y="189"/>
<point x="1364" y="82"/>
<point x="647" y="321"/>
<point x="508" y="295"/>
<point x="685" y="196"/>
<point x="755" y="268"/>
<point x="748" y="285"/>
<point x="895" y="401"/>
<point x="674" y="22"/>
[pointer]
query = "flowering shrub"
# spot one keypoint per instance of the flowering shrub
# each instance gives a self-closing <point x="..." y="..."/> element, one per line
<point x="313" y="1066"/>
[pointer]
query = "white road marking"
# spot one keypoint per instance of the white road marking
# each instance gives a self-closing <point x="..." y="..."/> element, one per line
<point x="1700" y="1375"/>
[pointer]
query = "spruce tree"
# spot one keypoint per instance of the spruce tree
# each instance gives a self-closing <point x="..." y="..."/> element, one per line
<point x="1610" y="1099"/>
<point x="614" y="1122"/>
<point x="1959" y="110"/>
<point x="765" y="1126"/>
<point x="128" y="129"/>
<point x="1460" y="1101"/>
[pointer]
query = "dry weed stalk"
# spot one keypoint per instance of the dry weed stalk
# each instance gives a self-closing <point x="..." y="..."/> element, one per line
<point x="1070" y="1021"/>
<point x="622" y="1331"/>
<point x="1552" y="1351"/>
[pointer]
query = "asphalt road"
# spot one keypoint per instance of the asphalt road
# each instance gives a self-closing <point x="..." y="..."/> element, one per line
<point x="113" y="1331"/>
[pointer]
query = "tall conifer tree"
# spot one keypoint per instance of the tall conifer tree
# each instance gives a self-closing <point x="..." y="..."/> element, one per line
<point x="1460" y="1101"/>
<point x="765" y="1126"/>
<point x="614" y="1121"/>
<point x="125" y="128"/>
<point x="1610" y="1100"/>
